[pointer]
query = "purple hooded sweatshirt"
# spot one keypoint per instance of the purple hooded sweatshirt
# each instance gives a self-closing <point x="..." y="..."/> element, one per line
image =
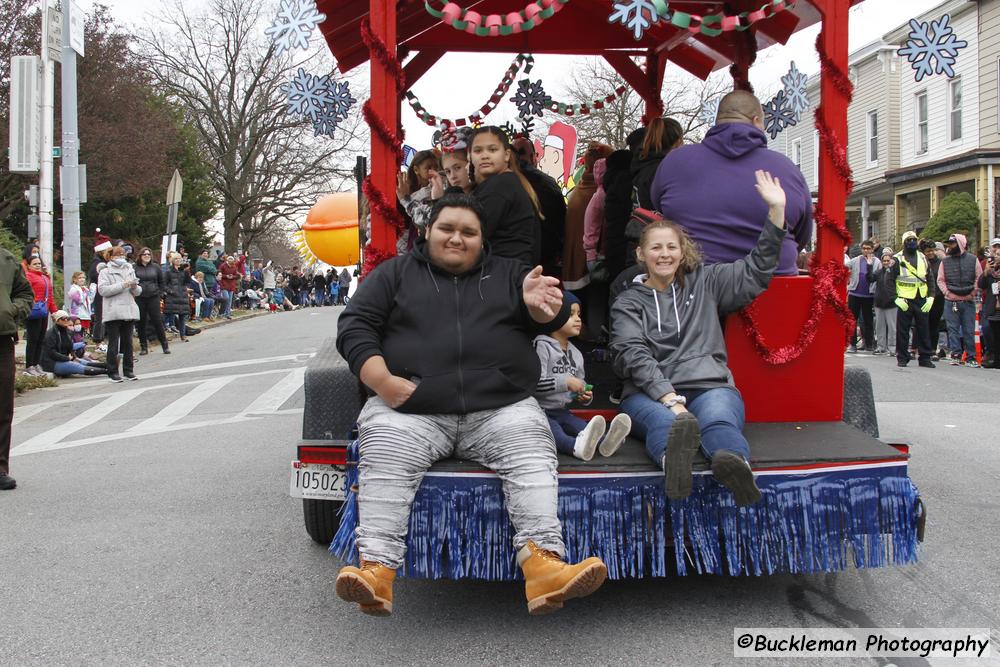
<point x="709" y="189"/>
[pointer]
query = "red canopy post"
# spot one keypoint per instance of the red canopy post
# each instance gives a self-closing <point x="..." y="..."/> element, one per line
<point x="831" y="121"/>
<point x="384" y="103"/>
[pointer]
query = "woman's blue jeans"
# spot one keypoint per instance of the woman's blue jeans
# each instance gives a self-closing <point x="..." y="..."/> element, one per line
<point x="720" y="416"/>
<point x="66" y="368"/>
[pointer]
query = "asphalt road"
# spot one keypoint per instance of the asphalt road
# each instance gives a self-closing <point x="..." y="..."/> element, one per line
<point x="152" y="525"/>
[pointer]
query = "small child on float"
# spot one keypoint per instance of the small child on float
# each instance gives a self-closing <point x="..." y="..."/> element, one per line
<point x="562" y="382"/>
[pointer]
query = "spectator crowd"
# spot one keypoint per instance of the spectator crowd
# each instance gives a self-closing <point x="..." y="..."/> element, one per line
<point x="125" y="293"/>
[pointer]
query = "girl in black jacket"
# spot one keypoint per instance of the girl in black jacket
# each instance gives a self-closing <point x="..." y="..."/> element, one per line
<point x="153" y="285"/>
<point x="175" y="290"/>
<point x="512" y="212"/>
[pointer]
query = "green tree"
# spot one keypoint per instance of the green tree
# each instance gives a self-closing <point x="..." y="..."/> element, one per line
<point x="958" y="213"/>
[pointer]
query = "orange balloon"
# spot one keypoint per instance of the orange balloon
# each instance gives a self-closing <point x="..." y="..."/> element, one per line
<point x="331" y="229"/>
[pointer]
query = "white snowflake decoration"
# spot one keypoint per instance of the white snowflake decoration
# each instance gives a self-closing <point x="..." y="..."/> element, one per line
<point x="326" y="122"/>
<point x="709" y="111"/>
<point x="636" y="15"/>
<point x="340" y="97"/>
<point x="795" y="90"/>
<point x="778" y="115"/>
<point x="530" y="98"/>
<point x="308" y="94"/>
<point x="294" y="24"/>
<point x="932" y="49"/>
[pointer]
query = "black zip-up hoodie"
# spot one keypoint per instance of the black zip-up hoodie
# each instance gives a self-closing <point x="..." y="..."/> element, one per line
<point x="465" y="340"/>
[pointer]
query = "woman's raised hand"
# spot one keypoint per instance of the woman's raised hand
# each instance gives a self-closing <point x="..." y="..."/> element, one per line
<point x="402" y="186"/>
<point x="770" y="190"/>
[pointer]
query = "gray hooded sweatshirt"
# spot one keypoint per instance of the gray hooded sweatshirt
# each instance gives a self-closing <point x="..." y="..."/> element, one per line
<point x="558" y="365"/>
<point x="672" y="341"/>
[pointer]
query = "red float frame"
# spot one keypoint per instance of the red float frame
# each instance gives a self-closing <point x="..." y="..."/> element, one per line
<point x="802" y="382"/>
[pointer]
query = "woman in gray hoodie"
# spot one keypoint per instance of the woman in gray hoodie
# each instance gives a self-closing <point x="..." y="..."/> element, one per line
<point x="670" y="352"/>
<point x="118" y="286"/>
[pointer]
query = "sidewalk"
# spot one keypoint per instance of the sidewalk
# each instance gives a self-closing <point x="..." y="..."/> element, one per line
<point x="238" y="315"/>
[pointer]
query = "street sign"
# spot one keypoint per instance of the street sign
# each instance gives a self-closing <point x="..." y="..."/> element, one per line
<point x="175" y="189"/>
<point x="57" y="151"/>
<point x="76" y="21"/>
<point x="25" y="119"/>
<point x="54" y="33"/>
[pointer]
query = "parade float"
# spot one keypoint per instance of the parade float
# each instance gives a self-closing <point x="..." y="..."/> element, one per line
<point x="835" y="495"/>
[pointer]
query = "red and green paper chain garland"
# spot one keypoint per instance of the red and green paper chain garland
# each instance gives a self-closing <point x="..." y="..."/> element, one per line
<point x="527" y="62"/>
<point x="584" y="109"/>
<point x="714" y="25"/>
<point x="494" y="25"/>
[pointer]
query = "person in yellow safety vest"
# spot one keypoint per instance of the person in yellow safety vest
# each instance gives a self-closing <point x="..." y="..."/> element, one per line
<point x="911" y="272"/>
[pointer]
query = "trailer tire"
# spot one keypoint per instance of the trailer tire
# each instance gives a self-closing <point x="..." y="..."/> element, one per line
<point x="322" y="519"/>
<point x="859" y="400"/>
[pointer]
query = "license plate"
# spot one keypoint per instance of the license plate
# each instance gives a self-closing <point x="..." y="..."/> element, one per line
<point x="319" y="481"/>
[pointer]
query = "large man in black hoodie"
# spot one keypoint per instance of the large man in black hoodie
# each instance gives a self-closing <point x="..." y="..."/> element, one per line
<point x="442" y="336"/>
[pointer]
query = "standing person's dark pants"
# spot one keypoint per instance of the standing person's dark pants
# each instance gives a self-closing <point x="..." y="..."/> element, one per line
<point x="149" y="313"/>
<point x="120" y="341"/>
<point x="33" y="337"/>
<point x="906" y="318"/>
<point x="862" y="307"/>
<point x="6" y="400"/>
<point x="934" y="321"/>
<point x="96" y="323"/>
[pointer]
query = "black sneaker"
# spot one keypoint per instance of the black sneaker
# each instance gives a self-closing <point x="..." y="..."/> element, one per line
<point x="683" y="441"/>
<point x="901" y="363"/>
<point x="734" y="473"/>
<point x="130" y="376"/>
<point x="926" y="363"/>
<point x="114" y="377"/>
<point x="7" y="482"/>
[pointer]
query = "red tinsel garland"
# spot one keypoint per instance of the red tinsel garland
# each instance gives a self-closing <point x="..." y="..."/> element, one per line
<point x="829" y="278"/>
<point x="378" y="201"/>
<point x="373" y="257"/>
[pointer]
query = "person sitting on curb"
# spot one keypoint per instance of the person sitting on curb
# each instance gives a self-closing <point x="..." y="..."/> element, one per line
<point x="669" y="349"/>
<point x="461" y="391"/>
<point x="59" y="355"/>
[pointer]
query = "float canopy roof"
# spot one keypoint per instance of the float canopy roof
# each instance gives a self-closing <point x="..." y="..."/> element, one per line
<point x="580" y="28"/>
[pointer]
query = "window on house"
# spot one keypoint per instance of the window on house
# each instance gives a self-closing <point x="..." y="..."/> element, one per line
<point x="955" y="109"/>
<point x="873" y="137"/>
<point x="816" y="159"/>
<point x="921" y="118"/>
<point x="797" y="153"/>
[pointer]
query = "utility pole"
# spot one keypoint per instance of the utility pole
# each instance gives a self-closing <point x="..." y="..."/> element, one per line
<point x="51" y="50"/>
<point x="70" y="180"/>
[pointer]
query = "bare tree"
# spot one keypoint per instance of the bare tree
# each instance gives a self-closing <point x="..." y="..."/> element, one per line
<point x="267" y="167"/>
<point x="683" y="98"/>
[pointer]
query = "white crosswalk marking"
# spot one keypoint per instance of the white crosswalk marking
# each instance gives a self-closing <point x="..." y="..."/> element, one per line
<point x="275" y="397"/>
<point x="183" y="406"/>
<point x="174" y="416"/>
<point x="44" y="441"/>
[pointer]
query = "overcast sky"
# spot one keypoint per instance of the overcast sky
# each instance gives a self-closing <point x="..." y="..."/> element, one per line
<point x="479" y="73"/>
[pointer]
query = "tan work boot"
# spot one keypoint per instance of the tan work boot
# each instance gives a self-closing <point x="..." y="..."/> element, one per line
<point x="370" y="586"/>
<point x="548" y="581"/>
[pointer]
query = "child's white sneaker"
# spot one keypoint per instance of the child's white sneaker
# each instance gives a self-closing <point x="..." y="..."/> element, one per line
<point x="618" y="430"/>
<point x="586" y="441"/>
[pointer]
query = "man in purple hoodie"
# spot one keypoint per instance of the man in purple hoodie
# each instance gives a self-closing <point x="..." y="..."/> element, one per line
<point x="708" y="188"/>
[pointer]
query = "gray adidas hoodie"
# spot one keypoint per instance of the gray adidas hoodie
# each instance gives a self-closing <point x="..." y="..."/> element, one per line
<point x="672" y="340"/>
<point x="558" y="365"/>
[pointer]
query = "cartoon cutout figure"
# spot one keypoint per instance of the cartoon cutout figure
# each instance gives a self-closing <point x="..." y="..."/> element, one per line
<point x="559" y="154"/>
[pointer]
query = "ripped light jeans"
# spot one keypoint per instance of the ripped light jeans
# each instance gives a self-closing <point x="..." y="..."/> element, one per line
<point x="397" y="449"/>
